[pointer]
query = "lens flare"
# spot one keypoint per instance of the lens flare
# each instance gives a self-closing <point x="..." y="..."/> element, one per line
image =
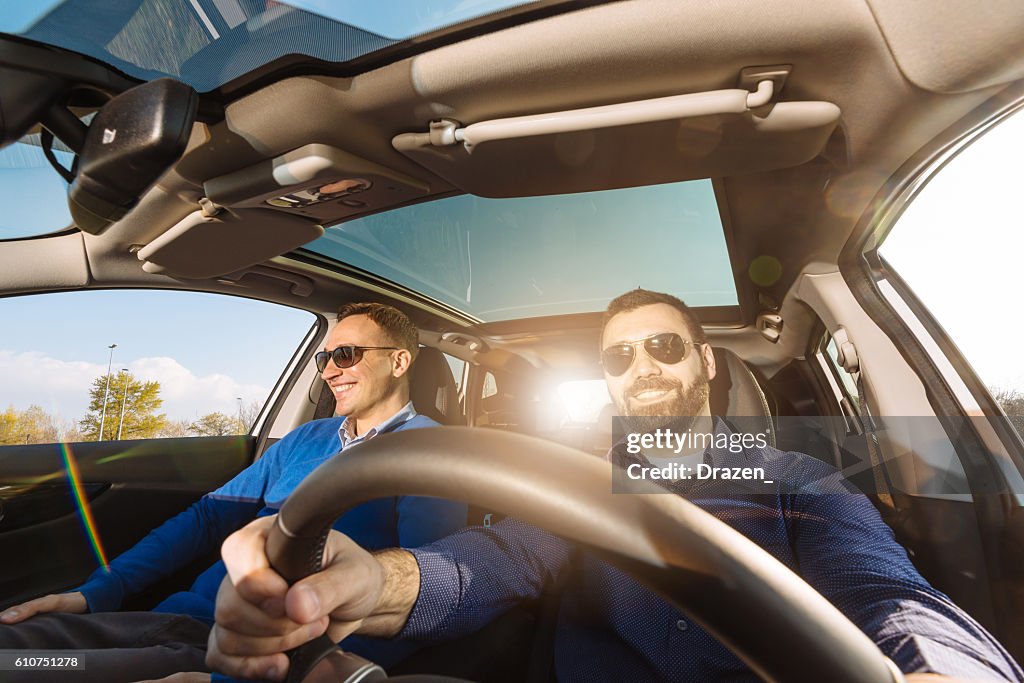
<point x="765" y="270"/>
<point x="84" y="511"/>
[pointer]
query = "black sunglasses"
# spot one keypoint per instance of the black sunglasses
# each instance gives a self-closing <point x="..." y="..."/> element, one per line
<point x="668" y="348"/>
<point x="346" y="356"/>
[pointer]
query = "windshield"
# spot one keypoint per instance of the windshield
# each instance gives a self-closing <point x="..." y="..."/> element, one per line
<point x="33" y="194"/>
<point x="502" y="259"/>
<point x="207" y="43"/>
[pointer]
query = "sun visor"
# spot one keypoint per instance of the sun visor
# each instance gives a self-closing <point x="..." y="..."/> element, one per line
<point x="669" y="139"/>
<point x="317" y="182"/>
<point x="204" y="246"/>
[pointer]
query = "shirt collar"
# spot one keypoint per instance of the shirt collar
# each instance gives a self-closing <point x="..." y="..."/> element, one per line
<point x="348" y="439"/>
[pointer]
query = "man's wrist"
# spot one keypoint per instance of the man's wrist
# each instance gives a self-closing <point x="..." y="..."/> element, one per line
<point x="401" y="581"/>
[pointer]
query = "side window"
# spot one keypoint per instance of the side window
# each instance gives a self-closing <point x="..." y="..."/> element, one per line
<point x="502" y="403"/>
<point x="958" y="247"/>
<point x="107" y="365"/>
<point x="490" y="386"/>
<point x="458" y="367"/>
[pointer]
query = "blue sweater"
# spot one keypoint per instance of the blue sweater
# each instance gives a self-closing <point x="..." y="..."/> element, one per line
<point x="261" y="489"/>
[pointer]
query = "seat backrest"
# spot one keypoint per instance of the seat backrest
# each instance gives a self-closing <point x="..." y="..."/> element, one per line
<point x="432" y="389"/>
<point x="735" y="393"/>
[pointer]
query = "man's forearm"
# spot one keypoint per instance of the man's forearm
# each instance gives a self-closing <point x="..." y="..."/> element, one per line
<point x="401" y="589"/>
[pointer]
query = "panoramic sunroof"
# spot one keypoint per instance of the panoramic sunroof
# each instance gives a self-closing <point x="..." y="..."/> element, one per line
<point x="207" y="43"/>
<point x="503" y="259"/>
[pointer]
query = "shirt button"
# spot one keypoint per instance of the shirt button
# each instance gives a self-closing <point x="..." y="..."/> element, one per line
<point x="682" y="625"/>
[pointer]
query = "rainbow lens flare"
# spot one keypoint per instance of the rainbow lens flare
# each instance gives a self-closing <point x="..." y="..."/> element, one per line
<point x="84" y="511"/>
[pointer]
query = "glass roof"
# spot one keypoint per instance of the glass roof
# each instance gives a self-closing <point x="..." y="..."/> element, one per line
<point x="503" y="259"/>
<point x="207" y="43"/>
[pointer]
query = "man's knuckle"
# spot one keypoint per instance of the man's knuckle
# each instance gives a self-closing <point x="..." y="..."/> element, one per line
<point x="249" y="667"/>
<point x="228" y="642"/>
<point x="225" y="615"/>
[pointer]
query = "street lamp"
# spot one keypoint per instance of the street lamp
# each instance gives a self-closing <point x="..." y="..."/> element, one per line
<point x="106" y="392"/>
<point x="124" y="401"/>
<point x="241" y="425"/>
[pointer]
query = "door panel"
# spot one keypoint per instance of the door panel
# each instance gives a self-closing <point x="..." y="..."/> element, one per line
<point x="130" y="487"/>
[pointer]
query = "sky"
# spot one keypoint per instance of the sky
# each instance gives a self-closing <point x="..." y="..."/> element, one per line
<point x="960" y="247"/>
<point x="25" y="173"/>
<point x="403" y="19"/>
<point x="206" y="350"/>
<point x="392" y="19"/>
<point x="500" y="259"/>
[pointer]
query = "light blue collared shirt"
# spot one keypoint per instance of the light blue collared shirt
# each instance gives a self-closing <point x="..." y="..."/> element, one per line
<point x="348" y="439"/>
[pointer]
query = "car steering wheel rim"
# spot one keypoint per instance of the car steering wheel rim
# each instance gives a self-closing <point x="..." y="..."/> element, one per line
<point x="696" y="562"/>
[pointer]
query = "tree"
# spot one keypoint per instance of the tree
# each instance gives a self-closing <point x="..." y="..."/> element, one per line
<point x="8" y="419"/>
<point x="35" y="425"/>
<point x="140" y="401"/>
<point x="215" y="424"/>
<point x="248" y="415"/>
<point x="176" y="429"/>
<point x="69" y="432"/>
<point x="1010" y="400"/>
<point x="32" y="425"/>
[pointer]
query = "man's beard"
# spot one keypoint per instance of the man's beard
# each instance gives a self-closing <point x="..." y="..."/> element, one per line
<point x="678" y="410"/>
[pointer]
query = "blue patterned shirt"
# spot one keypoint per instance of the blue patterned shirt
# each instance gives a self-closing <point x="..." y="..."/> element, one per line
<point x="612" y="628"/>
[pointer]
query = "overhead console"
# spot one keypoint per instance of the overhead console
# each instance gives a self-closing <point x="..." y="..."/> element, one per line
<point x="265" y="210"/>
<point x="318" y="182"/>
<point x="666" y="139"/>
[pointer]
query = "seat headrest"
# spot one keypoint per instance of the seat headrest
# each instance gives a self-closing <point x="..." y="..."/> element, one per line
<point x="735" y="393"/>
<point x="432" y="387"/>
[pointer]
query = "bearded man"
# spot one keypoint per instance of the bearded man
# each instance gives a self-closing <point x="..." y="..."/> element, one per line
<point x="657" y="365"/>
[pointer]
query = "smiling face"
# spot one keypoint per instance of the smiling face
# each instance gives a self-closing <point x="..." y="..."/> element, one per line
<point x="652" y="388"/>
<point x="375" y="388"/>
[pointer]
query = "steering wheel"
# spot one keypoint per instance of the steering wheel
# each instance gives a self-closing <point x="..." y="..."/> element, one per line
<point x="694" y="561"/>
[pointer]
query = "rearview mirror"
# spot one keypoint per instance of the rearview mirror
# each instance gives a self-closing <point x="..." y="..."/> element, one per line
<point x="130" y="143"/>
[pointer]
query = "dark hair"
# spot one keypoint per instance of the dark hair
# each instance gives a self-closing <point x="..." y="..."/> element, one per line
<point x="397" y="327"/>
<point x="638" y="298"/>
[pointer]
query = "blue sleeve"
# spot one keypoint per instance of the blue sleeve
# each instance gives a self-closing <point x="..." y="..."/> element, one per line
<point x="474" y="575"/>
<point x="189" y="535"/>
<point x="850" y="556"/>
<point x="424" y="520"/>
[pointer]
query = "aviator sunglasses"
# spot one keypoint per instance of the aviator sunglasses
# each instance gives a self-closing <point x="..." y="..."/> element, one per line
<point x="668" y="348"/>
<point x="346" y="356"/>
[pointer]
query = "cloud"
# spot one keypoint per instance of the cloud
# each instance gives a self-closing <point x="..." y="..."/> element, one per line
<point x="62" y="387"/>
<point x="188" y="396"/>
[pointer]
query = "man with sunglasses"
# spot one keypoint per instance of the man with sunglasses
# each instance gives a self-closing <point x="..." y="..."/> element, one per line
<point x="657" y="365"/>
<point x="365" y="363"/>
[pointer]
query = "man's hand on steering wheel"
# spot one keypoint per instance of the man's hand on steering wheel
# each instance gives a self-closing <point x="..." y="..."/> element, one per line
<point x="259" y="618"/>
